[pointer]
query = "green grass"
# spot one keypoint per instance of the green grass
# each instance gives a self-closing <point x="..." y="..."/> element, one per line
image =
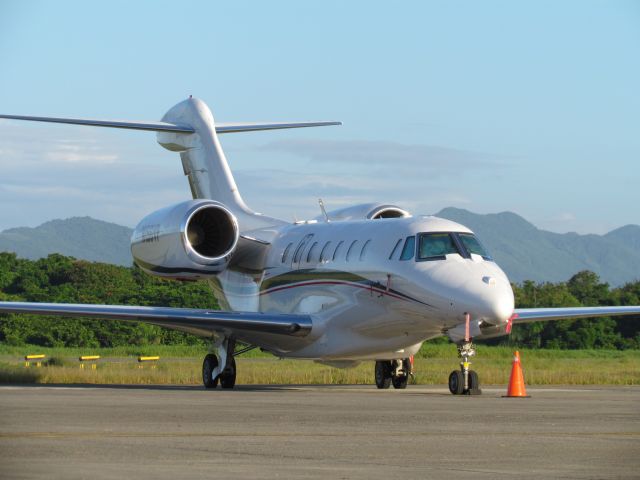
<point x="182" y="365"/>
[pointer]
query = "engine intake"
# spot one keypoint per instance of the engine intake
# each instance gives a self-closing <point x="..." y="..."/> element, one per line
<point x="211" y="231"/>
<point x="193" y="239"/>
<point x="366" y="211"/>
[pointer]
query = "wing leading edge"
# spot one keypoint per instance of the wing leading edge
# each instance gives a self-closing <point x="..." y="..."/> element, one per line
<point x="527" y="315"/>
<point x="199" y="322"/>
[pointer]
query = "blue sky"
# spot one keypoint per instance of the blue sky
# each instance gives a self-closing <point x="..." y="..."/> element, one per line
<point x="532" y="107"/>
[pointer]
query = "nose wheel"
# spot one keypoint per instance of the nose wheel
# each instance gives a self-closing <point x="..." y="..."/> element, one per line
<point x="465" y="381"/>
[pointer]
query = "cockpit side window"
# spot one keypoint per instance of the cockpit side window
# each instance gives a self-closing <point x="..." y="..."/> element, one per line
<point x="435" y="246"/>
<point x="409" y="249"/>
<point x="473" y="245"/>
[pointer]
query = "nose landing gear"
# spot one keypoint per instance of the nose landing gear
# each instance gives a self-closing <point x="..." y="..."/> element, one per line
<point x="465" y="381"/>
<point x="393" y="372"/>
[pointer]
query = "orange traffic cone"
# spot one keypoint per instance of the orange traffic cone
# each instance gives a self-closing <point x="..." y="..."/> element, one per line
<point x="516" y="382"/>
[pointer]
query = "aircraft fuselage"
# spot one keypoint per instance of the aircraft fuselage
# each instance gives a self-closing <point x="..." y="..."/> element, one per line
<point x="364" y="296"/>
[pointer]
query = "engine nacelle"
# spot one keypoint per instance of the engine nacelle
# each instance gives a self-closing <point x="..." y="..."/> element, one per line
<point x="366" y="211"/>
<point x="193" y="239"/>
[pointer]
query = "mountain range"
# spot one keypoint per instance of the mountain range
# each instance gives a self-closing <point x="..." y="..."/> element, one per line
<point x="523" y="251"/>
<point x="527" y="253"/>
<point x="79" y="237"/>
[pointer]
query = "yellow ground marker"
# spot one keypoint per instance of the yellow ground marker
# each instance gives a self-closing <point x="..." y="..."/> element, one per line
<point x="37" y="356"/>
<point x="150" y="360"/>
<point x="89" y="358"/>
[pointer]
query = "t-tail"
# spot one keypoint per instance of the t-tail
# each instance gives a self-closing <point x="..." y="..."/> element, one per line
<point x="189" y="129"/>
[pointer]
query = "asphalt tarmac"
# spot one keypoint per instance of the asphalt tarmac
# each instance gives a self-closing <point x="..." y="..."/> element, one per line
<point x="327" y="432"/>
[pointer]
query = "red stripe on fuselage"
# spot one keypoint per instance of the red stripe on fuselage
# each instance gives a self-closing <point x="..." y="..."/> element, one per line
<point x="333" y="282"/>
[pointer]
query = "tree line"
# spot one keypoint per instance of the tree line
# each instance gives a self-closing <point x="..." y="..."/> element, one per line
<point x="66" y="280"/>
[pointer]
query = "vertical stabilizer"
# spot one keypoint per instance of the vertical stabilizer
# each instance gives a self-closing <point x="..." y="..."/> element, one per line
<point x="204" y="162"/>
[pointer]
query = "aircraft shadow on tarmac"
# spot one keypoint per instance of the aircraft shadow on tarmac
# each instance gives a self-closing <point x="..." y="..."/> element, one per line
<point x="239" y="388"/>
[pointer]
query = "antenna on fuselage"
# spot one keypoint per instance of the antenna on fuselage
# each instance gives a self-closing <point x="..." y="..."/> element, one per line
<point x="322" y="209"/>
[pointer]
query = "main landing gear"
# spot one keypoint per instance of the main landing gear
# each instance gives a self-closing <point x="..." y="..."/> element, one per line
<point x="220" y="366"/>
<point x="393" y="372"/>
<point x="465" y="381"/>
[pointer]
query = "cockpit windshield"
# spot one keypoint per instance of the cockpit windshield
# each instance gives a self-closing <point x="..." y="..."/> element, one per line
<point x="434" y="246"/>
<point x="472" y="245"/>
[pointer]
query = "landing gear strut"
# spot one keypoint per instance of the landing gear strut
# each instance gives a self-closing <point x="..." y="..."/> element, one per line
<point x="465" y="381"/>
<point x="220" y="366"/>
<point x="392" y="372"/>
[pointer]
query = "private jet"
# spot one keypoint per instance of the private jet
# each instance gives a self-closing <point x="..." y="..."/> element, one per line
<point x="369" y="282"/>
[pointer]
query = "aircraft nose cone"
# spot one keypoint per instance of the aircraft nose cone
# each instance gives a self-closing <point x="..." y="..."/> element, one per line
<point x="501" y="307"/>
<point x="498" y="304"/>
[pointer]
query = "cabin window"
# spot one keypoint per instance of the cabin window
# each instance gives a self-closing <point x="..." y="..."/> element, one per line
<point x="409" y="249"/>
<point x="286" y="253"/>
<point x="363" y="252"/>
<point x="395" y="249"/>
<point x="351" y="249"/>
<point x="311" y="250"/>
<point x="473" y="245"/>
<point x="335" y="252"/>
<point x="435" y="246"/>
<point x="303" y="243"/>
<point x="325" y="251"/>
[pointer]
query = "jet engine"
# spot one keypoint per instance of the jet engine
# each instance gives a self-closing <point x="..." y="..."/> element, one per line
<point x="366" y="211"/>
<point x="189" y="240"/>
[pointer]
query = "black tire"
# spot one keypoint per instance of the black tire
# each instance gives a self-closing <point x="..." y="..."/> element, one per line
<point x="383" y="374"/>
<point x="228" y="377"/>
<point x="474" y="380"/>
<point x="456" y="382"/>
<point x="208" y="366"/>
<point x="400" y="381"/>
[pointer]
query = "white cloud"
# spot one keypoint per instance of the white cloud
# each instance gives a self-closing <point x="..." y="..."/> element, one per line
<point x="381" y="155"/>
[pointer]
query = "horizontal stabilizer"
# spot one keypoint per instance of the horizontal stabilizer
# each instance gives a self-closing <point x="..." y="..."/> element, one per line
<point x="151" y="126"/>
<point x="171" y="127"/>
<point x="255" y="127"/>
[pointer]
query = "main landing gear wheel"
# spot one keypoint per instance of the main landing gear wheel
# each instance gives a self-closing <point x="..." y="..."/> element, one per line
<point x="393" y="372"/>
<point x="400" y="381"/>
<point x="400" y="376"/>
<point x="383" y="374"/>
<point x="221" y="365"/>
<point x="208" y="366"/>
<point x="228" y="377"/>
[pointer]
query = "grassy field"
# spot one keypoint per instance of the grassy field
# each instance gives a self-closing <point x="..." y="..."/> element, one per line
<point x="182" y="365"/>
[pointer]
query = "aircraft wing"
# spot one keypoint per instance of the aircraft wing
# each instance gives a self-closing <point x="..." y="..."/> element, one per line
<point x="196" y="321"/>
<point x="527" y="315"/>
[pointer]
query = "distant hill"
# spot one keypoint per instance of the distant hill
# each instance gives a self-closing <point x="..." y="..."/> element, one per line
<point x="521" y="249"/>
<point x="527" y="253"/>
<point x="79" y="237"/>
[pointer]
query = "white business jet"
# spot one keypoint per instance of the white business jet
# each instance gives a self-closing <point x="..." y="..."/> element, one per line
<point x="368" y="282"/>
